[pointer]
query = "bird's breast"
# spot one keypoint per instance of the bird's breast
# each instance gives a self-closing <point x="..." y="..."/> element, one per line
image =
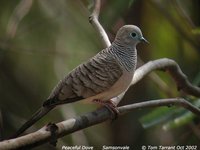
<point x="119" y="87"/>
<point x="123" y="83"/>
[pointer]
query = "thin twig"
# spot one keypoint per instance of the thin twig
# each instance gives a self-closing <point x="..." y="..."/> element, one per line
<point x="92" y="118"/>
<point x="93" y="19"/>
<point x="162" y="102"/>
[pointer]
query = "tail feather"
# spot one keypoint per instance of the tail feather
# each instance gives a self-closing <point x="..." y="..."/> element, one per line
<point x="34" y="118"/>
<point x="48" y="105"/>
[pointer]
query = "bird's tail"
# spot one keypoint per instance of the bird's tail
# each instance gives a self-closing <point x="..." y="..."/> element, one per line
<point x="48" y="105"/>
<point x="34" y="118"/>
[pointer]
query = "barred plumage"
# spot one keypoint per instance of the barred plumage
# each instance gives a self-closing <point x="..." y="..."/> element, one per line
<point x="103" y="77"/>
<point x="112" y="68"/>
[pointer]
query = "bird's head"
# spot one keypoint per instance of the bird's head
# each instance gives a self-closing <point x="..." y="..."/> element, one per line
<point x="130" y="35"/>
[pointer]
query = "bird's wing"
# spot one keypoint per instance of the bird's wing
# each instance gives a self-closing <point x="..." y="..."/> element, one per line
<point x="90" y="78"/>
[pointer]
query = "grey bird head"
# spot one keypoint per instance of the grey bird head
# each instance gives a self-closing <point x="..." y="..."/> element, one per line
<point x="130" y="35"/>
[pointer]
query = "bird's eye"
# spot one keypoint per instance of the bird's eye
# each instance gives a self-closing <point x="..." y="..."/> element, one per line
<point x="133" y="34"/>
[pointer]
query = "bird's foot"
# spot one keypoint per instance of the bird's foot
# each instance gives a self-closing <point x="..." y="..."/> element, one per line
<point x="53" y="129"/>
<point x="110" y="106"/>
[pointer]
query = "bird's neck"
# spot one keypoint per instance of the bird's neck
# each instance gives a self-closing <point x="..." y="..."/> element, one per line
<point x="126" y="55"/>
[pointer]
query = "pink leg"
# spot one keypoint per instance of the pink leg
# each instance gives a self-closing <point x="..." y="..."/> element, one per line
<point x="109" y="105"/>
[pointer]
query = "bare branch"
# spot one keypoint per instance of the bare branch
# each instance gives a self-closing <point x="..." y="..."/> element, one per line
<point x="157" y="80"/>
<point x="74" y="124"/>
<point x="162" y="102"/>
<point x="93" y="19"/>
<point x="163" y="64"/>
<point x="174" y="70"/>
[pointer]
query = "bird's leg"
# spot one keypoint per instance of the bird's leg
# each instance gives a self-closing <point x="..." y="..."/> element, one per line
<point x="110" y="106"/>
<point x="53" y="129"/>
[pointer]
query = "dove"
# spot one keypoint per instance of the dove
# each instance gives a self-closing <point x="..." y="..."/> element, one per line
<point x="99" y="79"/>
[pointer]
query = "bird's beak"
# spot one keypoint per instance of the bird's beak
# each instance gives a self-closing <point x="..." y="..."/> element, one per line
<point x="142" y="39"/>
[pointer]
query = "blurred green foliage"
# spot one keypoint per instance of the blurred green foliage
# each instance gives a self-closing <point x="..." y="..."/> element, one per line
<point x="41" y="41"/>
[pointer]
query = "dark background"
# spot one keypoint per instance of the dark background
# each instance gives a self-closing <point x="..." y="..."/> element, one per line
<point x="42" y="40"/>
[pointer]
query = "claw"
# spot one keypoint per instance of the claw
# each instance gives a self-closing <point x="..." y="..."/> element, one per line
<point x="110" y="106"/>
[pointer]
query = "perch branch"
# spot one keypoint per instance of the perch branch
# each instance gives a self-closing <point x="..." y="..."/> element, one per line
<point x="92" y="118"/>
